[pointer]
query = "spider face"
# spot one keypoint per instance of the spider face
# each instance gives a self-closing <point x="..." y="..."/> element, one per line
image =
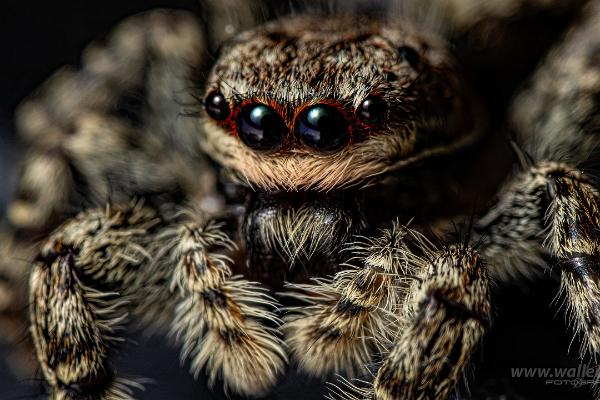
<point x="305" y="261"/>
<point x="299" y="103"/>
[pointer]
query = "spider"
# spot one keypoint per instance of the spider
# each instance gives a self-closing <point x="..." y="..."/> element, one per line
<point x="328" y="193"/>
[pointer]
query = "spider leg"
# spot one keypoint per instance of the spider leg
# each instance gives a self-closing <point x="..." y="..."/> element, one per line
<point x="105" y="264"/>
<point x="104" y="133"/>
<point x="439" y="302"/>
<point x="225" y="323"/>
<point x="85" y="277"/>
<point x="574" y="239"/>
<point x="551" y="206"/>
<point x="555" y="117"/>
<point x="561" y="203"/>
<point x="347" y="317"/>
<point x="446" y="315"/>
<point x="440" y="320"/>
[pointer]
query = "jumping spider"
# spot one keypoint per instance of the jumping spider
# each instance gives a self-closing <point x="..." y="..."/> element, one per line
<point x="319" y="164"/>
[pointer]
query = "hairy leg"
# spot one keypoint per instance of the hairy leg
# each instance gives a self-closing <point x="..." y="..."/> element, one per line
<point x="556" y="116"/>
<point x="82" y="281"/>
<point x="448" y="313"/>
<point x="108" y="130"/>
<point x="226" y="324"/>
<point x="425" y="312"/>
<point x="566" y="223"/>
<point x="551" y="207"/>
<point x="350" y="317"/>
<point x="105" y="133"/>
<point x="104" y="264"/>
<point x="444" y="317"/>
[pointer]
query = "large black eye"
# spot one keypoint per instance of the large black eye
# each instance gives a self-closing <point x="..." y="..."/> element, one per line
<point x="216" y="106"/>
<point x="323" y="128"/>
<point x="260" y="127"/>
<point x="409" y="55"/>
<point x="372" y="109"/>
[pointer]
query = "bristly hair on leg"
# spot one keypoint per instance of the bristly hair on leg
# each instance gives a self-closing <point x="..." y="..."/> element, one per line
<point x="88" y="319"/>
<point x="224" y="322"/>
<point x="430" y="320"/>
<point x="572" y="219"/>
<point x="513" y="230"/>
<point x="351" y="317"/>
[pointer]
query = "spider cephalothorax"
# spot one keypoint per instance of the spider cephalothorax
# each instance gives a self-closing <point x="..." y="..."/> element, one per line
<point x="311" y="137"/>
<point x="343" y="99"/>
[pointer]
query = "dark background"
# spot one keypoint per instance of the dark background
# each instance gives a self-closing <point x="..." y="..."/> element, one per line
<point x="38" y="37"/>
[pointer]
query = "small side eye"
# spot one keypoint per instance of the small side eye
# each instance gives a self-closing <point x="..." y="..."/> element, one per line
<point x="323" y="128"/>
<point x="217" y="106"/>
<point x="409" y="55"/>
<point x="260" y="127"/>
<point x="372" y="109"/>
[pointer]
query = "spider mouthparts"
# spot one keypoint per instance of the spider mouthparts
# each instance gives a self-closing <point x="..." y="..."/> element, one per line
<point x="307" y="228"/>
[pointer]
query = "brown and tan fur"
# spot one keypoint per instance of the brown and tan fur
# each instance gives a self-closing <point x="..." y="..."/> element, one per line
<point x="156" y="212"/>
<point x="304" y="66"/>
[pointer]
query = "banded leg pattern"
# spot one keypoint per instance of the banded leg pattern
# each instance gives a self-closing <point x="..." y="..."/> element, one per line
<point x="447" y="316"/>
<point x="79" y="299"/>
<point x="350" y="317"/>
<point x="225" y="323"/>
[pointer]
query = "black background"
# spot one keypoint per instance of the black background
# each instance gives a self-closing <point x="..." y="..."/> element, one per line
<point x="38" y="37"/>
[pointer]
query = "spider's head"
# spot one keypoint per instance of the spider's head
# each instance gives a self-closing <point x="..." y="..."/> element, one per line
<point x="312" y="103"/>
<point x="312" y="106"/>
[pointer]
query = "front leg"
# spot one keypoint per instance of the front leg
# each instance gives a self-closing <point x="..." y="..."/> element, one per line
<point x="425" y="312"/>
<point x="349" y="318"/>
<point x="225" y="323"/>
<point x="444" y="320"/>
<point x="82" y="281"/>
<point x="100" y="266"/>
<point x="73" y="328"/>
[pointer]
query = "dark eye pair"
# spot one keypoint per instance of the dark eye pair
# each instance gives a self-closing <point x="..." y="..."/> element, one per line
<point x="321" y="127"/>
